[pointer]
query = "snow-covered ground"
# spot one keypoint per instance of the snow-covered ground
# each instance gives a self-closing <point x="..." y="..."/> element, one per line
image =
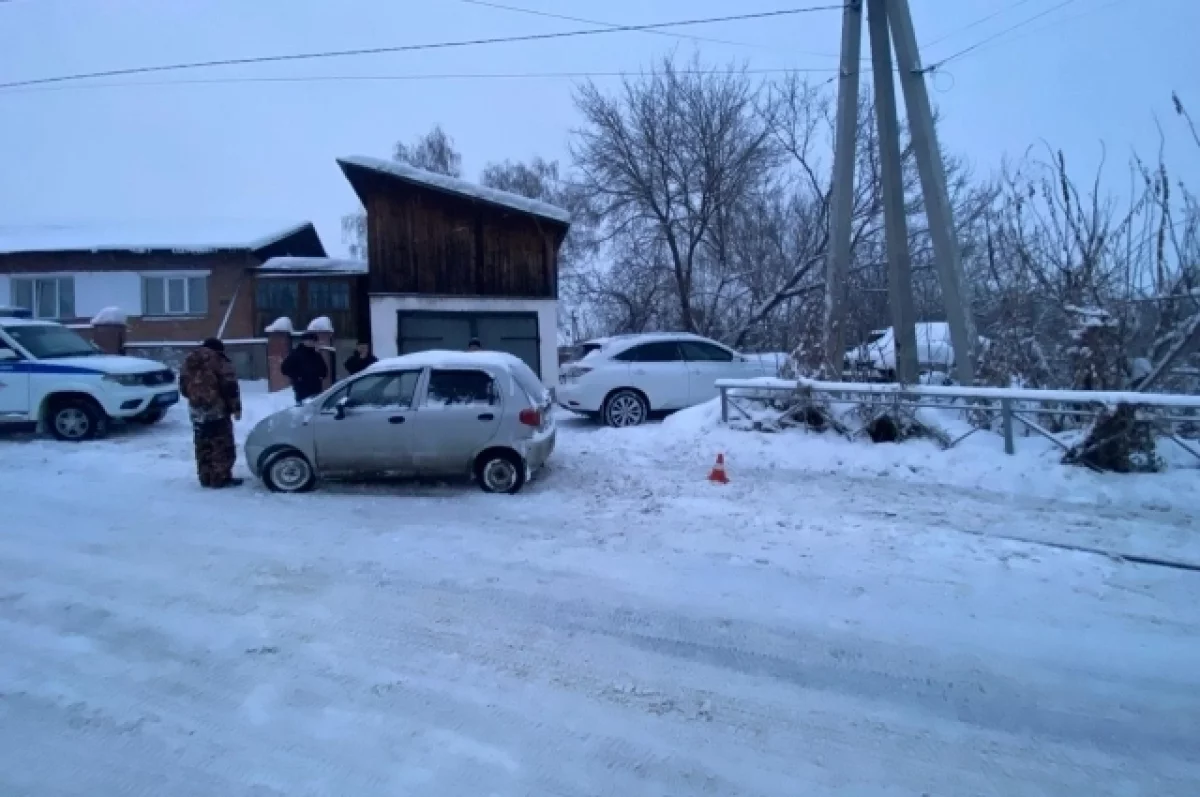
<point x="841" y="619"/>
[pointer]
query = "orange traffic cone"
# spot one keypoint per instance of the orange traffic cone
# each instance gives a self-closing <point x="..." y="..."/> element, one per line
<point x="717" y="474"/>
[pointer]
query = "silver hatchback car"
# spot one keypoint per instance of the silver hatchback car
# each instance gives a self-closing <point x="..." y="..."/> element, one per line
<point x="434" y="413"/>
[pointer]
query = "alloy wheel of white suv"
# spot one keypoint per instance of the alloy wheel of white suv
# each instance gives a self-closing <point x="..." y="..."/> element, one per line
<point x="625" y="408"/>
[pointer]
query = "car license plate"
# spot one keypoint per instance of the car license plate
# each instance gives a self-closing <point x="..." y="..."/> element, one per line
<point x="166" y="398"/>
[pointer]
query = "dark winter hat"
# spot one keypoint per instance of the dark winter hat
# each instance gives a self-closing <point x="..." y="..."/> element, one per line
<point x="215" y="344"/>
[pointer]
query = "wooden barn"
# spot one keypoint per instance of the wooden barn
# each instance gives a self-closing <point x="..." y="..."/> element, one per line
<point x="451" y="261"/>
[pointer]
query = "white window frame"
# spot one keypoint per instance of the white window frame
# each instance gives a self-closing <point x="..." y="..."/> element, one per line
<point x="59" y="278"/>
<point x="166" y="277"/>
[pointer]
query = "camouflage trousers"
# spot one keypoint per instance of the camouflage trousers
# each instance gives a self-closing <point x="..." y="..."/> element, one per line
<point x="215" y="451"/>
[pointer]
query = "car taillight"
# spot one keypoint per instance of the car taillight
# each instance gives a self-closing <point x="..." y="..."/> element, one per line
<point x="530" y="418"/>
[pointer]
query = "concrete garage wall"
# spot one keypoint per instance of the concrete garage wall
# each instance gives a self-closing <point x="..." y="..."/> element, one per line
<point x="385" y="308"/>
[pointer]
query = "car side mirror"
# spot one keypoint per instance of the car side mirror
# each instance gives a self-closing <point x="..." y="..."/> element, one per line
<point x="339" y="409"/>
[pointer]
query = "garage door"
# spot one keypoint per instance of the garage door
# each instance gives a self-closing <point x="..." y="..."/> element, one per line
<point x="515" y="333"/>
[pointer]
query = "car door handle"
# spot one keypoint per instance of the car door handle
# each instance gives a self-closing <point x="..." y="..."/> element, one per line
<point x="487" y="416"/>
<point x="396" y="419"/>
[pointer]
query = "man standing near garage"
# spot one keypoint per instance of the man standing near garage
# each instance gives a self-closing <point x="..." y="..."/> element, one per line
<point x="306" y="367"/>
<point x="361" y="360"/>
<point x="208" y="382"/>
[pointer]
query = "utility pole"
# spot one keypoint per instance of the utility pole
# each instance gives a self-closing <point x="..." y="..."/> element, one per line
<point x="900" y="298"/>
<point x="893" y="16"/>
<point x="933" y="186"/>
<point x="841" y="199"/>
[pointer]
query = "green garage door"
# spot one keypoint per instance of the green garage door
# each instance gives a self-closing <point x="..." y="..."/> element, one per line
<point x="515" y="333"/>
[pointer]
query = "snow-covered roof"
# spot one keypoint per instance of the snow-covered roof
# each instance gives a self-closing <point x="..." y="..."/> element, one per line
<point x="453" y="185"/>
<point x="441" y="358"/>
<point x="186" y="237"/>
<point x="290" y="266"/>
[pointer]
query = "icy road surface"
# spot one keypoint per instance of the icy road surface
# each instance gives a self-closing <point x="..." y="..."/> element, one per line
<point x="624" y="628"/>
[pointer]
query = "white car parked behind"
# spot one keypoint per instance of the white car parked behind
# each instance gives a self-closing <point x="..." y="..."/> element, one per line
<point x="622" y="380"/>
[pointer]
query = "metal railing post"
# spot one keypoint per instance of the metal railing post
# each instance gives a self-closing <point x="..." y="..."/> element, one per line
<point x="1006" y="419"/>
<point x="724" y="405"/>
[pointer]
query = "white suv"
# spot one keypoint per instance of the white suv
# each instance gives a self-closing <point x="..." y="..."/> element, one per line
<point x="622" y="380"/>
<point x="52" y="377"/>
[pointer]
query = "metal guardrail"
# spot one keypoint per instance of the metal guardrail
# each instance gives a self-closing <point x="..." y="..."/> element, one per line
<point x="1011" y="406"/>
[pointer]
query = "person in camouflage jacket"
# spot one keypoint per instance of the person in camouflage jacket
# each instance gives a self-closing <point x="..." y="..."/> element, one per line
<point x="208" y="382"/>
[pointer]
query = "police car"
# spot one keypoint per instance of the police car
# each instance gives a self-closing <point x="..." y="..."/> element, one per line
<point x="55" y="379"/>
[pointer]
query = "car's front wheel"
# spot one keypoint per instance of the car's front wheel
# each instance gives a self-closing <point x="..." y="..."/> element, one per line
<point x="500" y="471"/>
<point x="625" y="408"/>
<point x="288" y="472"/>
<point x="74" y="420"/>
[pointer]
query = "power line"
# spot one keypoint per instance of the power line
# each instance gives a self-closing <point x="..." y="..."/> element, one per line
<point x="995" y="36"/>
<point x="551" y="15"/>
<point x="416" y="47"/>
<point x="585" y="21"/>
<point x="975" y="24"/>
<point x="395" y="78"/>
<point x="1066" y="20"/>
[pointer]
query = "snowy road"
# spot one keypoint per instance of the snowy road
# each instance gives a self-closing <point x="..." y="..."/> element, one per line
<point x="623" y="628"/>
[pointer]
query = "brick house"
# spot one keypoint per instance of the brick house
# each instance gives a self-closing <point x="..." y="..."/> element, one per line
<point x="181" y="284"/>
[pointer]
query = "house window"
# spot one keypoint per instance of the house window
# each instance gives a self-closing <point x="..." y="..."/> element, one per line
<point x="169" y="295"/>
<point x="274" y="298"/>
<point x="332" y="296"/>
<point x="45" y="297"/>
<point x="279" y="296"/>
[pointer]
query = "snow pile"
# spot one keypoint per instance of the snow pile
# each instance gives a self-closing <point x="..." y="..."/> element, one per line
<point x="976" y="463"/>
<point x="111" y="316"/>
<point x="320" y="324"/>
<point x="281" y="324"/>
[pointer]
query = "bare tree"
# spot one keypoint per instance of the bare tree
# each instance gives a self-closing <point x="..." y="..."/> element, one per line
<point x="668" y="156"/>
<point x="433" y="152"/>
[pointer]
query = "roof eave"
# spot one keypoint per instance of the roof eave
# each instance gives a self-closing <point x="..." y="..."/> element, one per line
<point x="348" y="166"/>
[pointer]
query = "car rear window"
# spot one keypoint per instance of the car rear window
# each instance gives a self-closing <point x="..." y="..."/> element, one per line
<point x="528" y="381"/>
<point x="448" y="387"/>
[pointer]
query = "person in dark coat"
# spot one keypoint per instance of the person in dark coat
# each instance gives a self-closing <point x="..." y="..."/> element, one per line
<point x="306" y="368"/>
<point x="208" y="382"/>
<point x="361" y="360"/>
<point x="474" y="345"/>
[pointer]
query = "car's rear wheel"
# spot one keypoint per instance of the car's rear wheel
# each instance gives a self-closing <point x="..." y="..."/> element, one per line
<point x="288" y="472"/>
<point x="625" y="408"/>
<point x="74" y="420"/>
<point x="500" y="471"/>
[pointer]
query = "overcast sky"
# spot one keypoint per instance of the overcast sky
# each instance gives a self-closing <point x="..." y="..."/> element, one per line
<point x="1092" y="71"/>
